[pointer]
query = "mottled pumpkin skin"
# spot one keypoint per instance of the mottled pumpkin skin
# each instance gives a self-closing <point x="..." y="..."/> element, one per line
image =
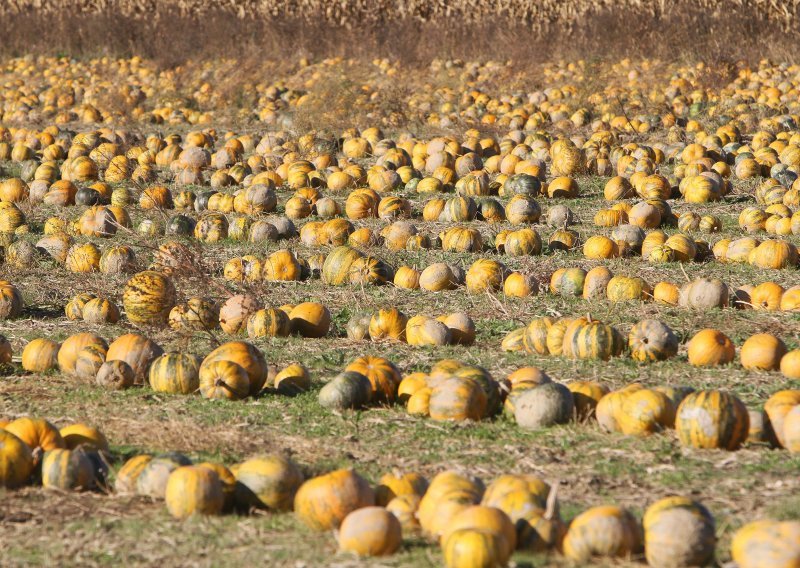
<point x="652" y="340"/>
<point x="610" y="406"/>
<point x="336" y="268"/>
<point x="269" y="481"/>
<point x="16" y="460"/>
<point x="246" y="356"/>
<point x="194" y="490"/>
<point x="347" y="390"/>
<point x="767" y="544"/>
<point x="175" y="373"/>
<point x="322" y="503"/>
<point x="268" y="322"/>
<point x="555" y="336"/>
<point x="67" y="470"/>
<point x="370" y="531"/>
<point x="602" y="531"/>
<point x="152" y="480"/>
<point x="148" y="298"/>
<point x="678" y="532"/>
<point x="458" y="399"/>
<point x="471" y="548"/>
<point x="711" y="420"/>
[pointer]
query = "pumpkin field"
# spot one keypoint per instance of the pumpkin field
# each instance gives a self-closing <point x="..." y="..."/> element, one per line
<point x="339" y="310"/>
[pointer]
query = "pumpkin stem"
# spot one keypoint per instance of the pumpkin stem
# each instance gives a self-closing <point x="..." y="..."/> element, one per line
<point x="550" y="509"/>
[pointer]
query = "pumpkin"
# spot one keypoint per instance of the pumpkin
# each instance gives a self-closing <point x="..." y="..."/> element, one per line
<point x="115" y="375"/>
<point x="395" y="484"/>
<point x="404" y="507"/>
<point x="777" y="407"/>
<point x="152" y="477"/>
<point x="322" y="503"/>
<point x="194" y="490"/>
<point x="247" y="357"/>
<point x="336" y="268"/>
<point x="16" y="460"/>
<point x="424" y="330"/>
<point x="774" y="254"/>
<point x="666" y="293"/>
<point x="148" y="298"/>
<point x="268" y="482"/>
<point x="555" y="336"/>
<point x="791" y="430"/>
<point x="572" y="282"/>
<point x="766" y="296"/>
<point x="67" y="470"/>
<point x="234" y="313"/>
<point x="310" y="319"/>
<point x="358" y="327"/>
<point x="89" y="361"/>
<point x="644" y="412"/>
<point x="595" y="283"/>
<point x="762" y="352"/>
<point x="74" y="308"/>
<point x="767" y="543"/>
<point x="609" y="407"/>
<point x="347" y="390"/>
<point x="370" y="531"/>
<point x="223" y="380"/>
<point x="602" y="531"/>
<point x="545" y="405"/>
<point x="709" y="348"/>
<point x="407" y="277"/>
<point x="175" y="373"/>
<point x="83" y="258"/>
<point x="624" y="288"/>
<point x="485" y="275"/>
<point x="72" y="346"/>
<point x="652" y="340"/>
<point x="461" y="326"/>
<point x="137" y="351"/>
<point x="293" y="379"/>
<point x="99" y="311"/>
<point x="467" y="548"/>
<point x="383" y="376"/>
<point x="514" y="340"/>
<point x="82" y="436"/>
<point x="482" y="517"/>
<point x="520" y="285"/>
<point x="269" y="322"/>
<point x="591" y="340"/>
<point x="712" y="419"/>
<point x="790" y="365"/>
<point x="457" y="399"/>
<point x="678" y="532"/>
<point x="599" y="247"/>
<point x="437" y="277"/>
<point x="586" y="395"/>
<point x="40" y="355"/>
<point x="410" y="385"/>
<point x="388" y="324"/>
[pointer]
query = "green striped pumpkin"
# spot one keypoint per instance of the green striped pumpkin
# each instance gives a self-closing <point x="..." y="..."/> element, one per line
<point x="175" y="373"/>
<point x="269" y="322"/>
<point x="67" y="470"/>
<point x="459" y="209"/>
<point x="245" y="355"/>
<point x="336" y="268"/>
<point x="148" y="298"/>
<point x="535" y="337"/>
<point x="555" y="336"/>
<point x="592" y="340"/>
<point x="712" y="420"/>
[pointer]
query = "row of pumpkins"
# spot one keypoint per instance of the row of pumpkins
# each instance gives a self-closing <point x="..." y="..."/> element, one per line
<point x="649" y="340"/>
<point x="455" y="391"/>
<point x="475" y="524"/>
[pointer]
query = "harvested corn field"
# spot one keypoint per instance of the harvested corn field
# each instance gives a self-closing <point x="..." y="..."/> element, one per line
<point x="379" y="304"/>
